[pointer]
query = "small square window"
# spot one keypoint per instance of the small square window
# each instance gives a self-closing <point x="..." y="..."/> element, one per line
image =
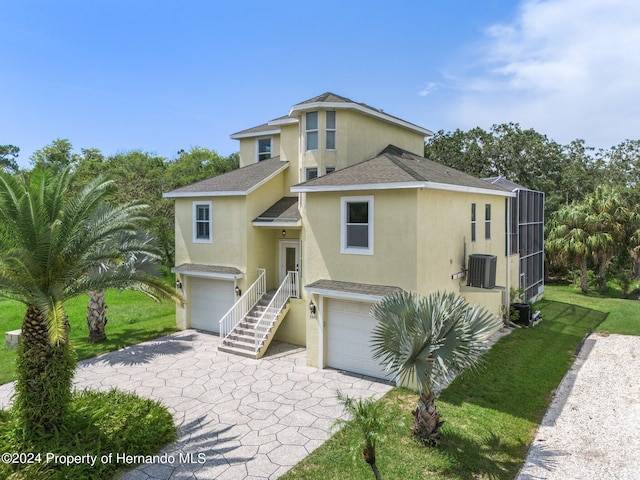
<point x="311" y="173"/>
<point x="264" y="149"/>
<point x="329" y="170"/>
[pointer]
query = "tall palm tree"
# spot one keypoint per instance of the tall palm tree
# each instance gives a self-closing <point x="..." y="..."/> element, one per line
<point x="427" y="340"/>
<point x="570" y="240"/>
<point x="50" y="244"/>
<point x="372" y="419"/>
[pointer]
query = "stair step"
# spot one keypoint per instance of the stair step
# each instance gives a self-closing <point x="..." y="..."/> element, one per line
<point x="237" y="351"/>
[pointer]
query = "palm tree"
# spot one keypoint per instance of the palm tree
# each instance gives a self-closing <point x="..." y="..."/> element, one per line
<point x="569" y="240"/>
<point x="140" y="255"/>
<point x="427" y="340"/>
<point x="372" y="419"/>
<point x="50" y="244"/>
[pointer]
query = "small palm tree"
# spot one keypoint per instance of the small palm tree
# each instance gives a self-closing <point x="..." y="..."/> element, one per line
<point x="372" y="419"/>
<point x="427" y="340"/>
<point x="50" y="244"/>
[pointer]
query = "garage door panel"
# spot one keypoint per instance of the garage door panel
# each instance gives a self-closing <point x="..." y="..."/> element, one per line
<point x="210" y="300"/>
<point x="349" y="329"/>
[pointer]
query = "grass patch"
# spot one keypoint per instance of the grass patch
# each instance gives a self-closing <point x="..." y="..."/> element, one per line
<point x="99" y="424"/>
<point x="133" y="318"/>
<point x="490" y="417"/>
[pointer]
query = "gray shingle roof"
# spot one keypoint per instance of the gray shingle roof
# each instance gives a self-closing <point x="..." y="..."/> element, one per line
<point x="504" y="183"/>
<point x="265" y="127"/>
<point x="354" y="288"/>
<point x="396" y="166"/>
<point x="236" y="182"/>
<point x="207" y="270"/>
<point x="285" y="209"/>
<point x="329" y="97"/>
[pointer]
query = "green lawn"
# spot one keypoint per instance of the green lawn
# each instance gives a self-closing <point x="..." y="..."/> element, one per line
<point x="490" y="416"/>
<point x="133" y="318"/>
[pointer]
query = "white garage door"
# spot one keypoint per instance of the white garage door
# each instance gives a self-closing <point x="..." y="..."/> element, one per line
<point x="210" y="300"/>
<point x="349" y="327"/>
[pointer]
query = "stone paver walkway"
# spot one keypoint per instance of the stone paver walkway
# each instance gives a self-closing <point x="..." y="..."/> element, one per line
<point x="238" y="418"/>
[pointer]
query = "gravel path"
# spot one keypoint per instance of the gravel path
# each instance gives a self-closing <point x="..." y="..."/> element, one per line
<point x="592" y="428"/>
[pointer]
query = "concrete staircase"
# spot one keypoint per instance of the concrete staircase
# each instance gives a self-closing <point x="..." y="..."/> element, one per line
<point x="242" y="339"/>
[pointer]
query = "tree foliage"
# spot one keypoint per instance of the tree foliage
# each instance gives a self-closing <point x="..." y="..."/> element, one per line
<point x="8" y="155"/>
<point x="53" y="247"/>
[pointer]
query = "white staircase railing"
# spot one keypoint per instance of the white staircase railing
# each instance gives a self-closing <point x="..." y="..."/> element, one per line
<point x="246" y="302"/>
<point x="288" y="288"/>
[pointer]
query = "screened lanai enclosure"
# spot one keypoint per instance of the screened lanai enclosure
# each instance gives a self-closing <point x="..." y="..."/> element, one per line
<point x="526" y="235"/>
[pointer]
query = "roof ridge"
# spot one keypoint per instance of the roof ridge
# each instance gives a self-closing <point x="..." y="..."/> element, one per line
<point x="398" y="162"/>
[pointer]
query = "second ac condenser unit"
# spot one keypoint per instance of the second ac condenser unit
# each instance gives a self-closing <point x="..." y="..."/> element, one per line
<point x="482" y="271"/>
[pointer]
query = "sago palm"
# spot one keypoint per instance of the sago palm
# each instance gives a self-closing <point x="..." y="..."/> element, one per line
<point x="427" y="340"/>
<point x="51" y="243"/>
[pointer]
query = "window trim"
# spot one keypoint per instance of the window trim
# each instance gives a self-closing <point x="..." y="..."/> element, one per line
<point x="308" y="130"/>
<point x="309" y="170"/>
<point x="195" y="222"/>
<point x="487" y="221"/>
<point x="327" y="130"/>
<point x="344" y="201"/>
<point x="328" y="170"/>
<point x="258" y="149"/>
<point x="474" y="222"/>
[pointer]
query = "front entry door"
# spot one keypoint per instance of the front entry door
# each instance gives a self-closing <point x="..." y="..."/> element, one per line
<point x="289" y="257"/>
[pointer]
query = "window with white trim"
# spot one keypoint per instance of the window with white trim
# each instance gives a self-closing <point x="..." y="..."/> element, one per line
<point x="487" y="221"/>
<point x="329" y="170"/>
<point x="311" y="130"/>
<point x="473" y="222"/>
<point x="356" y="233"/>
<point x="330" y="127"/>
<point x="311" y="173"/>
<point x="202" y="222"/>
<point x="264" y="148"/>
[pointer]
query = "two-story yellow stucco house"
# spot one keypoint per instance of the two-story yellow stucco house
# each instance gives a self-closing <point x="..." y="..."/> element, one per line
<point x="333" y="208"/>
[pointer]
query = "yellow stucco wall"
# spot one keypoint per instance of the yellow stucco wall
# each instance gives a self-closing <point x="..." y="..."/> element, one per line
<point x="393" y="262"/>
<point x="293" y="327"/>
<point x="228" y="231"/>
<point x="358" y="138"/>
<point x="249" y="148"/>
<point x="419" y="243"/>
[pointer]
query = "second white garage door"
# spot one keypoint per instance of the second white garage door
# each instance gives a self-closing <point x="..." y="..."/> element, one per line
<point x="210" y="300"/>
<point x="349" y="327"/>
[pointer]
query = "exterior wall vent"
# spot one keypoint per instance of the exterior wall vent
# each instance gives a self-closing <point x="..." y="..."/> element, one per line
<point x="482" y="271"/>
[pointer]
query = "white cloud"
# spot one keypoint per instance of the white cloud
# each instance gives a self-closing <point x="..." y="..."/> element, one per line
<point x="428" y="89"/>
<point x="568" y="68"/>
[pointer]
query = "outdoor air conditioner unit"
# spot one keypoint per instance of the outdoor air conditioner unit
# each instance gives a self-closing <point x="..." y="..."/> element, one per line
<point x="482" y="270"/>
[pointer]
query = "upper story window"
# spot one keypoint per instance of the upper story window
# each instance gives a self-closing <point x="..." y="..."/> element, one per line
<point x="356" y="233"/>
<point x="311" y="126"/>
<point x="473" y="222"/>
<point x="202" y="222"/>
<point x="311" y="173"/>
<point x="329" y="170"/>
<point x="264" y="148"/>
<point x="331" y="131"/>
<point x="487" y="221"/>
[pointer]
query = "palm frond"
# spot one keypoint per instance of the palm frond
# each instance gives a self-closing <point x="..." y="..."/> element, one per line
<point x="427" y="339"/>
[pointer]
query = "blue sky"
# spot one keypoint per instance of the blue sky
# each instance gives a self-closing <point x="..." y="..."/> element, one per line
<point x="164" y="75"/>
